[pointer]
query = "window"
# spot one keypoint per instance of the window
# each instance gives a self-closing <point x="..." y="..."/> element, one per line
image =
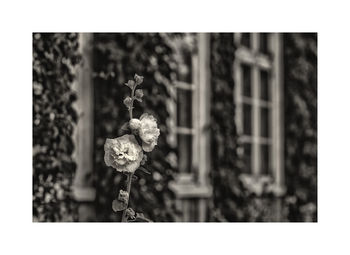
<point x="189" y="119"/>
<point x="185" y="93"/>
<point x="258" y="92"/>
<point x="83" y="189"/>
<point x="183" y="107"/>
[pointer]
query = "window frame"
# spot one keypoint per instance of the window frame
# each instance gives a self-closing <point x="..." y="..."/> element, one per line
<point x="83" y="189"/>
<point x="273" y="63"/>
<point x="194" y="185"/>
<point x="200" y="88"/>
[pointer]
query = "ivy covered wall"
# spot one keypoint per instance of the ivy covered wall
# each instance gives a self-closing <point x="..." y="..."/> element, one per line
<point x="300" y="58"/>
<point x="225" y="169"/>
<point x="233" y="202"/>
<point x="54" y="59"/>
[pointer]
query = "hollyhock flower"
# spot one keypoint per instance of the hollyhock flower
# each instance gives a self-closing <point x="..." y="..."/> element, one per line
<point x="148" y="132"/>
<point x="123" y="153"/>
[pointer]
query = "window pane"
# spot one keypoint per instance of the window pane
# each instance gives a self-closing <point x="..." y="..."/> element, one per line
<point x="265" y="122"/>
<point x="245" y="40"/>
<point x="184" y="108"/>
<point x="247" y="119"/>
<point x="184" y="152"/>
<point x="185" y="67"/>
<point x="264" y="85"/>
<point x="265" y="158"/>
<point x="264" y="43"/>
<point x="247" y="80"/>
<point x="247" y="157"/>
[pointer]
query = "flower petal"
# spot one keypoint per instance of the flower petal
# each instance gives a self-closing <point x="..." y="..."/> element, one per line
<point x="123" y="153"/>
<point x="148" y="147"/>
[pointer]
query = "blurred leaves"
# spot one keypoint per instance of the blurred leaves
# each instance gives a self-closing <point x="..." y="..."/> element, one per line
<point x="54" y="58"/>
<point x="301" y="124"/>
<point x="228" y="200"/>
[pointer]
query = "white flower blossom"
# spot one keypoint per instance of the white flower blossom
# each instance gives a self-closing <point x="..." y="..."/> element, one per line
<point x="123" y="153"/>
<point x="148" y="132"/>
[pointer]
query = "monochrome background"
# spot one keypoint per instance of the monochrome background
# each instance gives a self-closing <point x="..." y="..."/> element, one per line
<point x="237" y="114"/>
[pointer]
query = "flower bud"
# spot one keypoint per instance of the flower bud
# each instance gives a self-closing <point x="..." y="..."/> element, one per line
<point x="130" y="84"/>
<point x="139" y="95"/>
<point x="134" y="124"/>
<point x="128" y="102"/>
<point x="144" y="159"/>
<point x="123" y="196"/>
<point x="138" y="79"/>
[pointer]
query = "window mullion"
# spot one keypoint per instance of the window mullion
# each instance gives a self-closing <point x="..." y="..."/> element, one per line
<point x="256" y="123"/>
<point x="277" y="118"/>
<point x="256" y="119"/>
<point x="204" y="107"/>
<point x="83" y="189"/>
<point x="195" y="112"/>
<point x="238" y="96"/>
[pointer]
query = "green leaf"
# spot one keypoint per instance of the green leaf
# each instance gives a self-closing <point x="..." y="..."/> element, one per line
<point x="141" y="218"/>
<point x="125" y="126"/>
<point x="118" y="206"/>
<point x="144" y="170"/>
<point x="130" y="214"/>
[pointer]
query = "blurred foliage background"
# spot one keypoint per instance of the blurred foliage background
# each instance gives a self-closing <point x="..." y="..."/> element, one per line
<point x="54" y="59"/>
<point x="226" y="203"/>
<point x="301" y="125"/>
<point x="116" y="58"/>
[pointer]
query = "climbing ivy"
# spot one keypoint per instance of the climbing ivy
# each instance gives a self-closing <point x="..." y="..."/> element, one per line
<point x="54" y="59"/>
<point x="223" y="129"/>
<point x="301" y="125"/>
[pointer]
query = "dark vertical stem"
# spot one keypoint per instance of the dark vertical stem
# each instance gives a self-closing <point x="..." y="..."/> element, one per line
<point x="129" y="176"/>
<point x="132" y="102"/>
<point x="128" y="188"/>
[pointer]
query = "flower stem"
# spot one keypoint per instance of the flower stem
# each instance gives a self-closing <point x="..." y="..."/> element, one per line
<point x="129" y="176"/>
<point x="132" y="102"/>
<point x="128" y="188"/>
